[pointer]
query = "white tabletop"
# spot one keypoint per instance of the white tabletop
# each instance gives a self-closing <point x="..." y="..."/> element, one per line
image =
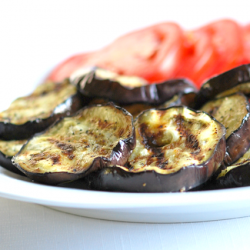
<point x="30" y="226"/>
<point x="35" y="36"/>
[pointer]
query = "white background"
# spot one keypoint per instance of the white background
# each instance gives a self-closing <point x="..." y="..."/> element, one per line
<point x="35" y="36"/>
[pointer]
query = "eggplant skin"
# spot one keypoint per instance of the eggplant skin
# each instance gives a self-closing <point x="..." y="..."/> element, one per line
<point x="10" y="130"/>
<point x="157" y="177"/>
<point x="7" y="150"/>
<point x="92" y="86"/>
<point x="116" y="179"/>
<point x="224" y="82"/>
<point x="77" y="145"/>
<point x="186" y="99"/>
<point x="236" y="177"/>
<point x="6" y="162"/>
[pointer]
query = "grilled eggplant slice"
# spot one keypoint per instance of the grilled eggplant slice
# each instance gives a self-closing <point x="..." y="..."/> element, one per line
<point x="93" y="85"/>
<point x="229" y="82"/>
<point x="233" y="112"/>
<point x="103" y="74"/>
<point x="176" y="149"/>
<point x="31" y="114"/>
<point x="7" y="150"/>
<point x="236" y="175"/>
<point x="97" y="136"/>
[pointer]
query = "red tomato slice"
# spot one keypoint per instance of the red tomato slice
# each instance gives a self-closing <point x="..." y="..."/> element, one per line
<point x="67" y="67"/>
<point x="227" y="39"/>
<point x="153" y="53"/>
<point x="200" y="56"/>
<point x="246" y="42"/>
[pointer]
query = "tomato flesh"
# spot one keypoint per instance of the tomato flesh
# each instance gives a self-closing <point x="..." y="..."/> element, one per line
<point x="227" y="39"/>
<point x="164" y="51"/>
<point x="153" y="53"/>
<point x="200" y="56"/>
<point x="246" y="43"/>
<point x="67" y="67"/>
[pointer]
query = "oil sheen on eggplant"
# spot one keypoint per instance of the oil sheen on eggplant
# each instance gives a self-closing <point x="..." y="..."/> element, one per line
<point x="233" y="112"/>
<point x="33" y="113"/>
<point x="176" y="149"/>
<point x="7" y="150"/>
<point x="94" y="84"/>
<point x="97" y="136"/>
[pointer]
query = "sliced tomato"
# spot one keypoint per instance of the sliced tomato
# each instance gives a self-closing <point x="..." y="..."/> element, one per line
<point x="153" y="53"/>
<point x="67" y="67"/>
<point x="199" y="58"/>
<point x="163" y="51"/>
<point x="246" y="42"/>
<point x="227" y="39"/>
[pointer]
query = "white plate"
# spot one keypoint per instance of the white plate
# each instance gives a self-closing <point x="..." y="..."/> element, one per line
<point x="25" y="61"/>
<point x="132" y="207"/>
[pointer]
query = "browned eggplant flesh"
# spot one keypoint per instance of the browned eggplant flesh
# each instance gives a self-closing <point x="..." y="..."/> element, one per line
<point x="35" y="112"/>
<point x="233" y="112"/>
<point x="176" y="149"/>
<point x="95" y="137"/>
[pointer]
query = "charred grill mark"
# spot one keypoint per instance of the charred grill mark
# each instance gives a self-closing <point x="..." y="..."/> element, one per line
<point x="179" y="120"/>
<point x="150" y="160"/>
<point x="158" y="158"/>
<point x="55" y="159"/>
<point x="104" y="151"/>
<point x="37" y="157"/>
<point x="151" y="138"/>
<point x="121" y="132"/>
<point x="142" y="128"/>
<point x="163" y="165"/>
<point x="191" y="140"/>
<point x="34" y="158"/>
<point x="70" y="156"/>
<point x="66" y="149"/>
<point x="102" y="124"/>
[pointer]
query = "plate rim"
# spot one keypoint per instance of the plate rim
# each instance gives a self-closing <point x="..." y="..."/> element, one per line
<point x="16" y="187"/>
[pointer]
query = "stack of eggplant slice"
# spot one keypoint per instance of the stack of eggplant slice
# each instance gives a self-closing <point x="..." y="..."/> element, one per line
<point x="132" y="93"/>
<point x="232" y="90"/>
<point x="95" y="137"/>
<point x="32" y="114"/>
<point x="173" y="151"/>
<point x="134" y="137"/>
